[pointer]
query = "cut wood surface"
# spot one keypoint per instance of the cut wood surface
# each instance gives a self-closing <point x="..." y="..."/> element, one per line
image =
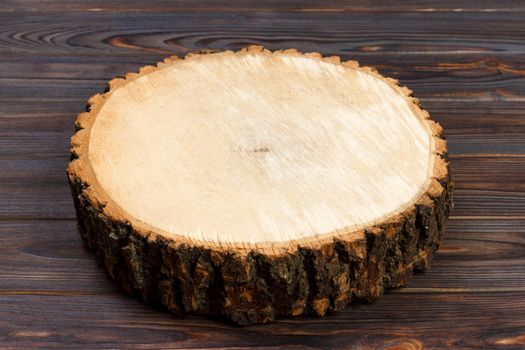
<point x="464" y="61"/>
<point x="257" y="184"/>
<point x="254" y="147"/>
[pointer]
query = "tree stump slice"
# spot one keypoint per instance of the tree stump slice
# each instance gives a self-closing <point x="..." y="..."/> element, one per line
<point x="255" y="184"/>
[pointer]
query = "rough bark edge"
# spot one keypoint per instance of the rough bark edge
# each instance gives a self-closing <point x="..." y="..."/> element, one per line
<point x="255" y="283"/>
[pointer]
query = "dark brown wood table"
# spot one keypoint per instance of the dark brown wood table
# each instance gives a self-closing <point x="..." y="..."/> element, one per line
<point x="464" y="59"/>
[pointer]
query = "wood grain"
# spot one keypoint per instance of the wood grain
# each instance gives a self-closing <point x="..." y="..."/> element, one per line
<point x="433" y="33"/>
<point x="463" y="59"/>
<point x="272" y="5"/>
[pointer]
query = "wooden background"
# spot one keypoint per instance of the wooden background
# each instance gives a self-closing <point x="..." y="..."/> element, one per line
<point x="464" y="59"/>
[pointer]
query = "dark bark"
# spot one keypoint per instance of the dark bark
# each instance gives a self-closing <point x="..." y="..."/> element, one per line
<point x="256" y="288"/>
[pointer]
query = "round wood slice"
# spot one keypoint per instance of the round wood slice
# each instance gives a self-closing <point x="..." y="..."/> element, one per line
<point x="255" y="184"/>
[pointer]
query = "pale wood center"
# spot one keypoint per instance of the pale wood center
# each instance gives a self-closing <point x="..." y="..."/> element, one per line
<point x="259" y="148"/>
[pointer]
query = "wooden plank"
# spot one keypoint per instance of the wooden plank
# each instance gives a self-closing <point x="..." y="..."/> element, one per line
<point x="30" y="90"/>
<point x="51" y="144"/>
<point x="476" y="256"/>
<point x="459" y="117"/>
<point x="485" y="186"/>
<point x="448" y="76"/>
<point x="42" y="131"/>
<point x="106" y="322"/>
<point x="93" y="66"/>
<point x="272" y="5"/>
<point x="34" y="153"/>
<point x="421" y="33"/>
<point x="47" y="145"/>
